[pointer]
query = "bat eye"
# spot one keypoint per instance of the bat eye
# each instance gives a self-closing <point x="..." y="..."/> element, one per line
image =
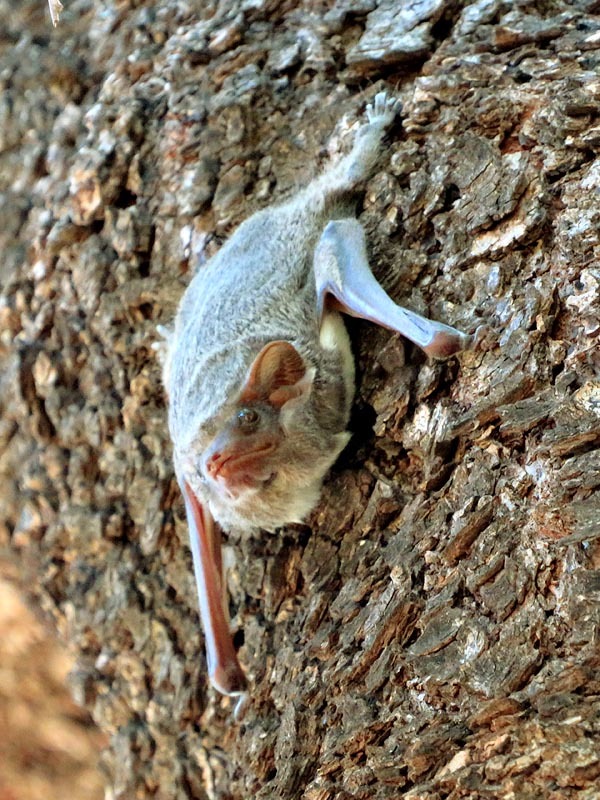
<point x="247" y="419"/>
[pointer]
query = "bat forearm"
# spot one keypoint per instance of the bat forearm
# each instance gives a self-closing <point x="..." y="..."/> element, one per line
<point x="224" y="669"/>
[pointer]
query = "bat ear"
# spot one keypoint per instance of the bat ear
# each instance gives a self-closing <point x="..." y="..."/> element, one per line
<point x="277" y="375"/>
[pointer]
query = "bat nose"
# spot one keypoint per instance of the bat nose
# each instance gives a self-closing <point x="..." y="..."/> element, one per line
<point x="214" y="464"/>
<point x="237" y="465"/>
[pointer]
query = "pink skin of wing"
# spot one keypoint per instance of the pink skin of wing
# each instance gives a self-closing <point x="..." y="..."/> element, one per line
<point x="224" y="670"/>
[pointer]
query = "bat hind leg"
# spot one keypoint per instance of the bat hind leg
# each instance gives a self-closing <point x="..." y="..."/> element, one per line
<point x="357" y="166"/>
<point x="383" y="110"/>
<point x="381" y="113"/>
<point x="345" y="281"/>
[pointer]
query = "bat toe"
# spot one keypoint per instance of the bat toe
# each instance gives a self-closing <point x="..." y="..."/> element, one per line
<point x="383" y="109"/>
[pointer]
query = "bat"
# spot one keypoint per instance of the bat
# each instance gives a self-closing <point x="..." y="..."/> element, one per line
<point x="259" y="372"/>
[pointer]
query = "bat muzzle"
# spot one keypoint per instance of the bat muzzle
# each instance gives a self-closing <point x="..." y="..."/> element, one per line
<point x="242" y="467"/>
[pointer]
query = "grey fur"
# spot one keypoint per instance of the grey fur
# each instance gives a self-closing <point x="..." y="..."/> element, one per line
<point x="260" y="287"/>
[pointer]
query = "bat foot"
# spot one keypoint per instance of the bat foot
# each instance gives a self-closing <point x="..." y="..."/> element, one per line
<point x="383" y="109"/>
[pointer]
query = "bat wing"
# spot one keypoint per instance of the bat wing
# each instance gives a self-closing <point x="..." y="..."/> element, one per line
<point x="224" y="670"/>
<point x="345" y="282"/>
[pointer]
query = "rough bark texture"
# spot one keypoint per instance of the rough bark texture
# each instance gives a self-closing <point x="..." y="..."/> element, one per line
<point x="433" y="631"/>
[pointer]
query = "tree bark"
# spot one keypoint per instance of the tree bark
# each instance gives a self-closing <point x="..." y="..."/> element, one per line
<point x="432" y="631"/>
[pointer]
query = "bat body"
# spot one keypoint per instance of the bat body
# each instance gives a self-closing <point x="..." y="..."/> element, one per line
<point x="245" y="298"/>
<point x="260" y="375"/>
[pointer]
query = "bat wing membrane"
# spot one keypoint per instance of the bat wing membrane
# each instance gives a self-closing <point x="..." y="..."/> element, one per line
<point x="224" y="670"/>
<point x="344" y="281"/>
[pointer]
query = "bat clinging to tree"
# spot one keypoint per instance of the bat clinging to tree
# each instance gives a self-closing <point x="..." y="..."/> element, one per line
<point x="260" y="375"/>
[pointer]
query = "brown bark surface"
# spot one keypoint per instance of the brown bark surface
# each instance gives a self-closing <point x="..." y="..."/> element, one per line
<point x="49" y="746"/>
<point x="432" y="632"/>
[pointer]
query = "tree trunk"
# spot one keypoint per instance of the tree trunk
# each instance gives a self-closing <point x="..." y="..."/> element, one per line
<point x="432" y="631"/>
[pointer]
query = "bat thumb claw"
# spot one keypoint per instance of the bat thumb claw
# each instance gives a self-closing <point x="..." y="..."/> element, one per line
<point x="229" y="679"/>
<point x="484" y="338"/>
<point x="241" y="706"/>
<point x="232" y="683"/>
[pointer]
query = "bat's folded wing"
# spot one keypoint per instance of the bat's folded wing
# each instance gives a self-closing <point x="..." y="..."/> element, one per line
<point x="345" y="283"/>
<point x="224" y="670"/>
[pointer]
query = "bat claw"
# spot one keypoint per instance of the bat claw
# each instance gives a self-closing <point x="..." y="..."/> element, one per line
<point x="241" y="706"/>
<point x="484" y="338"/>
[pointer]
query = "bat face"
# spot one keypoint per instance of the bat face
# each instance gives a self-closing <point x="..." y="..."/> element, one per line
<point x="243" y="456"/>
<point x="262" y="461"/>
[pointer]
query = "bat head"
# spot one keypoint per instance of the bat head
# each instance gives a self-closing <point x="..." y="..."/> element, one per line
<point x="265" y="460"/>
